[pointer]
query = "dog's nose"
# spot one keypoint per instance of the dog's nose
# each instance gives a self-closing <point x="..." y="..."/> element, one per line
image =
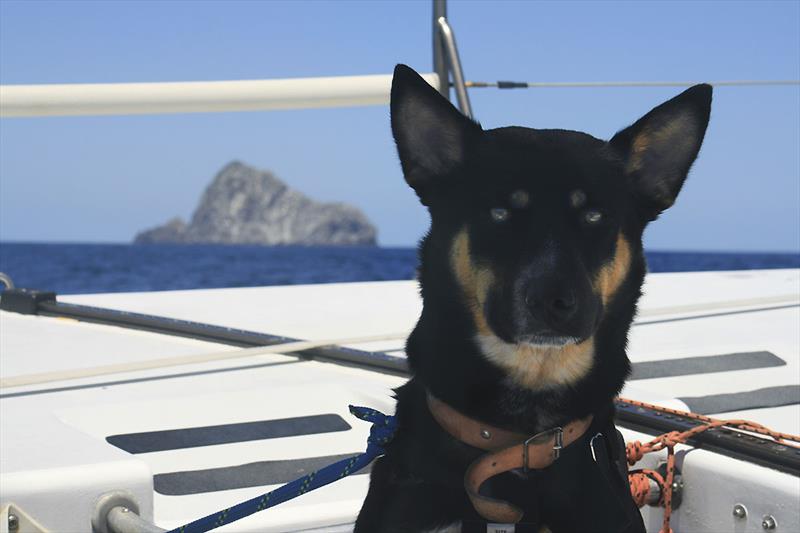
<point x="563" y="305"/>
<point x="554" y="306"/>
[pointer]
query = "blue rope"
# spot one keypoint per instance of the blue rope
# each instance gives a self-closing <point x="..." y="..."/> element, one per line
<point x="382" y="431"/>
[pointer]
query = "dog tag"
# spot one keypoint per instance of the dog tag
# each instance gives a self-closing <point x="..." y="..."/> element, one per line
<point x="499" y="528"/>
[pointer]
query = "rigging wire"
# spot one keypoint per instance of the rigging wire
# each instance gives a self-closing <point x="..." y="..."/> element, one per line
<point x="583" y="84"/>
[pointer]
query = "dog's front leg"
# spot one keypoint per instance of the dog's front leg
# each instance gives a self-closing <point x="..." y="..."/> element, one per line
<point x="399" y="503"/>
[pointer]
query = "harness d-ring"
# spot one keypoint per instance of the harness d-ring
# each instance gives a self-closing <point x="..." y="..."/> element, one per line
<point x="591" y="446"/>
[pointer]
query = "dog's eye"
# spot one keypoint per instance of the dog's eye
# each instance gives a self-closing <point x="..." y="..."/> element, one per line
<point x="499" y="214"/>
<point x="592" y="216"/>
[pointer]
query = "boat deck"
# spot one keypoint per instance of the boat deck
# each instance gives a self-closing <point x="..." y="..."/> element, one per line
<point x="189" y="439"/>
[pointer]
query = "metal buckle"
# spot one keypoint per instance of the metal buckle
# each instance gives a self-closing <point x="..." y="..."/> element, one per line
<point x="558" y="445"/>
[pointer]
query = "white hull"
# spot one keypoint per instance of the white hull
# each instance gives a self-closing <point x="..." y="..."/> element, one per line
<point x="55" y="460"/>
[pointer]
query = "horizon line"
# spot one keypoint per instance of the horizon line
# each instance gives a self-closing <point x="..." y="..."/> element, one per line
<point x="382" y="246"/>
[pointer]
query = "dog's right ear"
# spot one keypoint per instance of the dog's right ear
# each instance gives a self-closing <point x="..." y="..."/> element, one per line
<point x="432" y="136"/>
<point x="660" y="147"/>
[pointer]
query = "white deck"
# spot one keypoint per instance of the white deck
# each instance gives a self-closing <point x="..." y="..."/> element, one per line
<point x="56" y="431"/>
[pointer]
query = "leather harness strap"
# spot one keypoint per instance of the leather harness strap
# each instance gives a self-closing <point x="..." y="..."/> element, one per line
<point x="470" y="431"/>
<point x="508" y="451"/>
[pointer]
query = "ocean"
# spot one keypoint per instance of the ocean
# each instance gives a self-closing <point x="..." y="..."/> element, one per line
<point x="93" y="268"/>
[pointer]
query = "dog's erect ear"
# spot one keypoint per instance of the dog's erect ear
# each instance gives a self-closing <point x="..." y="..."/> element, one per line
<point x="432" y="136"/>
<point x="660" y="147"/>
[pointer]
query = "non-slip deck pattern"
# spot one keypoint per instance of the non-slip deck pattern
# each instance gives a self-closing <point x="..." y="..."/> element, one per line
<point x="242" y="476"/>
<point x="686" y="366"/>
<point x="173" y="439"/>
<point x="741" y="401"/>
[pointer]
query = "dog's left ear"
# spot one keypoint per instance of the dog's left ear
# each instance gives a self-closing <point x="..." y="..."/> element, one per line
<point x="660" y="147"/>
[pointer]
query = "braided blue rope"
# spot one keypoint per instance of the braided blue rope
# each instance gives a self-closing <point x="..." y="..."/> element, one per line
<point x="382" y="431"/>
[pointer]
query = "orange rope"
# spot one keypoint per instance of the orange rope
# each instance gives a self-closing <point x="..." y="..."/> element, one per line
<point x="640" y="479"/>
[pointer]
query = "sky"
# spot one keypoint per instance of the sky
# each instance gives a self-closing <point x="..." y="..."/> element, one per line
<point x="102" y="179"/>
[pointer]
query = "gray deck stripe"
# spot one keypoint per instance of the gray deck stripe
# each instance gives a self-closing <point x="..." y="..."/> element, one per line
<point x="149" y="378"/>
<point x="741" y="401"/>
<point x="174" y="439"/>
<point x="710" y="315"/>
<point x="707" y="364"/>
<point x="242" y="476"/>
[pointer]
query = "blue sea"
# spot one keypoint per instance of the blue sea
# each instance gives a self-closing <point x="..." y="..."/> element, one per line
<point x="91" y="268"/>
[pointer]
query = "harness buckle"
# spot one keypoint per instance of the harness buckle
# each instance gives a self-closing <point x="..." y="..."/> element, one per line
<point x="558" y="444"/>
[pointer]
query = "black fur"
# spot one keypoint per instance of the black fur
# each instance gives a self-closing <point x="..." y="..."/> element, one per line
<point x="547" y="251"/>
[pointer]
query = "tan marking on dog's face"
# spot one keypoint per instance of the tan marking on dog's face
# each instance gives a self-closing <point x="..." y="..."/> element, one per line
<point x="613" y="273"/>
<point x="577" y="198"/>
<point x="519" y="199"/>
<point x="528" y="365"/>
<point x="475" y="281"/>
<point x="540" y="367"/>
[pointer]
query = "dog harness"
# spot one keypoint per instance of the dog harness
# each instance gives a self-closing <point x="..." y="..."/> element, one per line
<point x="508" y="451"/>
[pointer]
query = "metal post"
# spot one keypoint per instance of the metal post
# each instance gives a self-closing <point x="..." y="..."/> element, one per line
<point x="124" y="520"/>
<point x="439" y="60"/>
<point x="118" y="512"/>
<point x="454" y="64"/>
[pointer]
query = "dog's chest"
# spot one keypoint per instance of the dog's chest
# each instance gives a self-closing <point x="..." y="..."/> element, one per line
<point x="545" y="410"/>
<point x="452" y="528"/>
<point x="490" y="528"/>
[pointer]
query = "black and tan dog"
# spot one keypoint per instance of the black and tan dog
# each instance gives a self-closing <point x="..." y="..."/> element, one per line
<point x="530" y="275"/>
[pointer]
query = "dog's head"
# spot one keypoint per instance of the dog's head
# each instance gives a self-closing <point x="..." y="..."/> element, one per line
<point x="539" y="231"/>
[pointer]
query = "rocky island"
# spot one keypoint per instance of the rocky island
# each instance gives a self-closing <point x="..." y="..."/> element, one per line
<point x="244" y="205"/>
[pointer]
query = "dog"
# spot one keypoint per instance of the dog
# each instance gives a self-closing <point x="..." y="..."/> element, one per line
<point x="530" y="275"/>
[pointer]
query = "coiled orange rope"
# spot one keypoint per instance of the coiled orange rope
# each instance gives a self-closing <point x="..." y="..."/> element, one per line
<point x="640" y="479"/>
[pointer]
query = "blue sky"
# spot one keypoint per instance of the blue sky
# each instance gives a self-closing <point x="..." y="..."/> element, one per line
<point x="101" y="179"/>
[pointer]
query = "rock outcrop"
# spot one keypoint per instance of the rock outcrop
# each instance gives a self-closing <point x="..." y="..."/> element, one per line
<point x="172" y="231"/>
<point x="244" y="205"/>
